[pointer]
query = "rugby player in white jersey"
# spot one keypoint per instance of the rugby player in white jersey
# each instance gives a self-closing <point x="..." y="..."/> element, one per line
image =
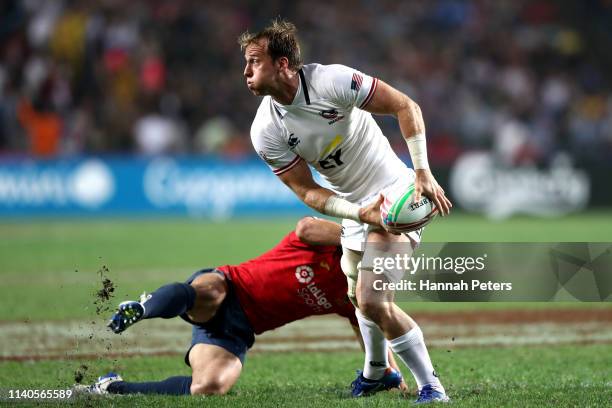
<point x="319" y="115"/>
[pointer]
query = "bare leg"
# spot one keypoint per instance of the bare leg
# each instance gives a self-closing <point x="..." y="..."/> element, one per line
<point x="215" y="370"/>
<point x="404" y="335"/>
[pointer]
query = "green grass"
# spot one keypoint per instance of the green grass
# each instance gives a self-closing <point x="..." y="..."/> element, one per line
<point x="48" y="260"/>
<point x="49" y="271"/>
<point x="59" y="260"/>
<point x="509" y="377"/>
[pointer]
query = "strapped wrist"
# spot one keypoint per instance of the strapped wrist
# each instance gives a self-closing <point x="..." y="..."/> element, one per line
<point x="341" y="208"/>
<point x="417" y="146"/>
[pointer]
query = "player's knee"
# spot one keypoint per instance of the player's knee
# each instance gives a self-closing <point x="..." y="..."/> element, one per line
<point x="374" y="309"/>
<point x="210" y="386"/>
<point x="209" y="288"/>
<point x="305" y="229"/>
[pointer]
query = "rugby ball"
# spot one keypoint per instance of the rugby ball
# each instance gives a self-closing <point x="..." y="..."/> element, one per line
<point x="403" y="214"/>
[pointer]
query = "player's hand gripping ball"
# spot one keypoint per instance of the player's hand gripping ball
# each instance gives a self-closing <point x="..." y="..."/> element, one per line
<point x="401" y="214"/>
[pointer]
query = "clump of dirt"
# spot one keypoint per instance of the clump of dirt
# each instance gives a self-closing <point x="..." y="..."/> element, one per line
<point x="103" y="301"/>
<point x="79" y="373"/>
<point x="104" y="294"/>
<point x="104" y="304"/>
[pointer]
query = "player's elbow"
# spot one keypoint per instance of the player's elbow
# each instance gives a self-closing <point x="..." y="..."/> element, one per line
<point x="306" y="230"/>
<point x="310" y="198"/>
<point x="411" y="107"/>
<point x="212" y="386"/>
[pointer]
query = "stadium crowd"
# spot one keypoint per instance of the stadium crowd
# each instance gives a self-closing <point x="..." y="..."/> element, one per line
<point x="525" y="79"/>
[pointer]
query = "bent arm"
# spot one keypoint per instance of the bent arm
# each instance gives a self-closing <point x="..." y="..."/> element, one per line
<point x="299" y="180"/>
<point x="315" y="231"/>
<point x="389" y="101"/>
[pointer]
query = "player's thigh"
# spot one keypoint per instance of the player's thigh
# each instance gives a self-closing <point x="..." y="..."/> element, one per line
<point x="384" y="262"/>
<point x="211" y="290"/>
<point x="215" y="370"/>
<point x="350" y="266"/>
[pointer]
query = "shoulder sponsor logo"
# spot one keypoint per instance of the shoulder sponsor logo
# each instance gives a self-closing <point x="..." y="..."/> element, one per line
<point x="304" y="273"/>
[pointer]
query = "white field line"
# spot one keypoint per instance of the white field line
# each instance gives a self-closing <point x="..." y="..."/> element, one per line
<point x="74" y="338"/>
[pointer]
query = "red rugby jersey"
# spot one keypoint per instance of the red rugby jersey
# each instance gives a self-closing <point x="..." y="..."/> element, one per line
<point x="291" y="281"/>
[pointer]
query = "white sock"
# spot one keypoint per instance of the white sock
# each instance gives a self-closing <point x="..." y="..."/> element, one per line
<point x="376" y="357"/>
<point x="412" y="350"/>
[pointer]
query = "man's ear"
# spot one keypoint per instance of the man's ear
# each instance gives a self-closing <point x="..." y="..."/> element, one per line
<point x="282" y="63"/>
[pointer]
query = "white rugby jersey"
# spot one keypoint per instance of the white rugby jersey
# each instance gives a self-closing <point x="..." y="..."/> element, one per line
<point x="326" y="126"/>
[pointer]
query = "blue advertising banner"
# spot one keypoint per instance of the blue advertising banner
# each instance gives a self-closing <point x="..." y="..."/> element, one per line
<point x="199" y="186"/>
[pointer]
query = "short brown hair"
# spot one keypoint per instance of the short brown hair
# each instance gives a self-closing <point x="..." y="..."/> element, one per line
<point x="281" y="36"/>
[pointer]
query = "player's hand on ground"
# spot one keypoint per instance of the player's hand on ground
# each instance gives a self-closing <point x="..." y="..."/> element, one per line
<point x="403" y="387"/>
<point x="370" y="214"/>
<point x="425" y="184"/>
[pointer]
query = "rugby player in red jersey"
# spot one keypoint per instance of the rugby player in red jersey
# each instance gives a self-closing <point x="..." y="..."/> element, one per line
<point x="300" y="277"/>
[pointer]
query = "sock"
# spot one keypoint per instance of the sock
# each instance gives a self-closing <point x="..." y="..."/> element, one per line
<point x="412" y="350"/>
<point x="169" y="301"/>
<point x="376" y="357"/>
<point x="169" y="386"/>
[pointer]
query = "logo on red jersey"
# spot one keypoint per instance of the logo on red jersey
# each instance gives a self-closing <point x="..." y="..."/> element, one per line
<point x="304" y="273"/>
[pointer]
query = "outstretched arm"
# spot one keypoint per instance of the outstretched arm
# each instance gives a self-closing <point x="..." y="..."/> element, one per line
<point x="389" y="101"/>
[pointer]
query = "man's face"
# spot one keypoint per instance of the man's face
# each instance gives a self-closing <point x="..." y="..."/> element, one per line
<point x="260" y="71"/>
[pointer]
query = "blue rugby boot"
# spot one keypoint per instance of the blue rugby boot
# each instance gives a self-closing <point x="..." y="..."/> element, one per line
<point x="128" y="313"/>
<point x="99" y="387"/>
<point x="363" y="387"/>
<point x="428" y="394"/>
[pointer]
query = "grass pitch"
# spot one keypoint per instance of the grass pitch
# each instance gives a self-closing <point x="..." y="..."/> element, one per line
<point x="511" y="377"/>
<point x="49" y="272"/>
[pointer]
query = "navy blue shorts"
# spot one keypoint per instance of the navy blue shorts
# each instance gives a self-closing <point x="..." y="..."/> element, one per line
<point x="229" y="328"/>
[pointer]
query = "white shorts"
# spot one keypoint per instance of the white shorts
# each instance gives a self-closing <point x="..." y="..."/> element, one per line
<point x="355" y="234"/>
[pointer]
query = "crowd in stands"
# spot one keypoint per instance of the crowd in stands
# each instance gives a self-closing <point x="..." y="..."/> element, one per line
<point x="524" y="79"/>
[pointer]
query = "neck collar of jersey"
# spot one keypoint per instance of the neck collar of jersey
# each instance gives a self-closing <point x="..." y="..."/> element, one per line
<point x="301" y="95"/>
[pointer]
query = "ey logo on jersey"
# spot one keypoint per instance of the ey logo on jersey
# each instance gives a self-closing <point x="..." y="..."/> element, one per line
<point x="304" y="273"/>
<point x="331" y="157"/>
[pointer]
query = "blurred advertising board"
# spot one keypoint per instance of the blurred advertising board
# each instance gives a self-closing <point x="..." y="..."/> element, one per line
<point x="206" y="187"/>
<point x="479" y="183"/>
<point x="217" y="188"/>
